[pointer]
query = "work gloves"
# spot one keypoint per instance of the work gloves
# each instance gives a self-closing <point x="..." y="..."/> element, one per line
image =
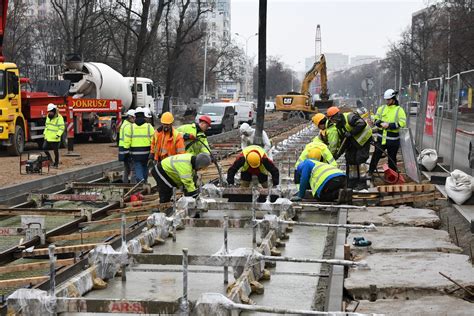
<point x="188" y="136"/>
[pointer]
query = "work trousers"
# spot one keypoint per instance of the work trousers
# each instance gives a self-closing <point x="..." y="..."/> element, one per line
<point x="141" y="170"/>
<point x="52" y="146"/>
<point x="330" y="190"/>
<point x="128" y="168"/>
<point x="246" y="179"/>
<point x="392" y="150"/>
<point x="164" y="183"/>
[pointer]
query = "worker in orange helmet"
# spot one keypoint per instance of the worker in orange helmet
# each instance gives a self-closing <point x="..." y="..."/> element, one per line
<point x="253" y="161"/>
<point x="357" y="136"/>
<point x="167" y="141"/>
<point x="328" y="133"/>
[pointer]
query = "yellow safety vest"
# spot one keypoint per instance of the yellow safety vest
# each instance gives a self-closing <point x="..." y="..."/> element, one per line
<point x="321" y="171"/>
<point x="260" y="151"/>
<point x="325" y="153"/>
<point x="391" y="114"/>
<point x="363" y="136"/>
<point x="138" y="140"/>
<point x="180" y="170"/>
<point x="54" y="128"/>
<point x="194" y="146"/>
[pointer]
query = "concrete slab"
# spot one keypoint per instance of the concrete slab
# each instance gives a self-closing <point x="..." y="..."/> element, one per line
<point x="411" y="239"/>
<point x="409" y="275"/>
<point x="429" y="305"/>
<point x="373" y="215"/>
<point x="389" y="216"/>
<point x="420" y="217"/>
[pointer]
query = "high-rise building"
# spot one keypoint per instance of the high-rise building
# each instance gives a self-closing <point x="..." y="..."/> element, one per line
<point x="219" y="23"/>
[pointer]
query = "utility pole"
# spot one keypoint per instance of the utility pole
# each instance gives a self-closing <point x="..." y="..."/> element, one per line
<point x="205" y="68"/>
<point x="262" y="70"/>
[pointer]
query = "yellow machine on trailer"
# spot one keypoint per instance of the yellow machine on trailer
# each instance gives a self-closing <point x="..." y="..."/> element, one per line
<point x="301" y="103"/>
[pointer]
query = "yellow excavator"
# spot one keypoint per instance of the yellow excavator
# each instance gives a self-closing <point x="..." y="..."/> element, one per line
<point x="301" y="103"/>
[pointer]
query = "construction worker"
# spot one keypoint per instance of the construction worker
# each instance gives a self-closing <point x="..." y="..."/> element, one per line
<point x="194" y="136"/>
<point x="253" y="161"/>
<point x="53" y="130"/>
<point x="389" y="119"/>
<point x="179" y="171"/>
<point x="247" y="134"/>
<point x="167" y="141"/>
<point x="324" y="180"/>
<point x="328" y="132"/>
<point x="356" y="143"/>
<point x="326" y="155"/>
<point x="124" y="154"/>
<point x="137" y="139"/>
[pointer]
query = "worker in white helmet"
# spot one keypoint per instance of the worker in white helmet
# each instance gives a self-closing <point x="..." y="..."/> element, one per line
<point x="124" y="154"/>
<point x="247" y="135"/>
<point x="53" y="130"/>
<point x="389" y="118"/>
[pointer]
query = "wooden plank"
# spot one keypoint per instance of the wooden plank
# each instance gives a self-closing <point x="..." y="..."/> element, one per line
<point x="66" y="249"/>
<point x="23" y="282"/>
<point x="409" y="199"/>
<point x="35" y="266"/>
<point x="160" y="207"/>
<point x="426" y="187"/>
<point x="41" y="211"/>
<point x="79" y="236"/>
<point x="129" y="219"/>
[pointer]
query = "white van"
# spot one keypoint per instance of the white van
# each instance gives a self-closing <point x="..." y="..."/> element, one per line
<point x="223" y="118"/>
<point x="245" y="112"/>
<point x="269" y="106"/>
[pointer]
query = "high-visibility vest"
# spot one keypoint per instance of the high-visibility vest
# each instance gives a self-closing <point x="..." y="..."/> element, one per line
<point x="180" y="170"/>
<point x="333" y="137"/>
<point x="391" y="114"/>
<point x="194" y="146"/>
<point x="321" y="171"/>
<point x="122" y="150"/>
<point x="262" y="154"/>
<point x="163" y="145"/>
<point x="138" y="139"/>
<point x="363" y="136"/>
<point x="53" y="129"/>
<point x="325" y="153"/>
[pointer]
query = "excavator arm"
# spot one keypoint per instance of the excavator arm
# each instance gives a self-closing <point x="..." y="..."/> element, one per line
<point x="319" y="67"/>
<point x="3" y="22"/>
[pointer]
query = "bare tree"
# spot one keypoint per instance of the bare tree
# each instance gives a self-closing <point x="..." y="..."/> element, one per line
<point x="181" y="29"/>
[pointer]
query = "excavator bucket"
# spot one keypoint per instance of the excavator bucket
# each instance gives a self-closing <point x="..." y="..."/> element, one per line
<point x="323" y="105"/>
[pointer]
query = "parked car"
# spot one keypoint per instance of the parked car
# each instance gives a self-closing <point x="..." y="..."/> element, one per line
<point x="223" y="117"/>
<point x="269" y="106"/>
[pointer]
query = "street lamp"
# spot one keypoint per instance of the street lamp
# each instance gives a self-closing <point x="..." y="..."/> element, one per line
<point x="246" y="62"/>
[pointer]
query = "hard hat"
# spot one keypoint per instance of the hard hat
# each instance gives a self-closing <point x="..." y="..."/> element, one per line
<point x="314" y="153"/>
<point x="318" y="118"/>
<point x="147" y="112"/>
<point x="246" y="129"/>
<point x="130" y="112"/>
<point x="139" y="110"/>
<point x="253" y="159"/>
<point x="52" y="106"/>
<point x="167" y="118"/>
<point x="333" y="110"/>
<point x="202" y="160"/>
<point x="205" y="118"/>
<point x="389" y="94"/>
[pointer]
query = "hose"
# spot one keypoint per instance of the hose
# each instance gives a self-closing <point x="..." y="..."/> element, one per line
<point x="219" y="170"/>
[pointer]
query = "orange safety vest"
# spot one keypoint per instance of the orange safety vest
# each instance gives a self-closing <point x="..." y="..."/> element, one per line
<point x="164" y="145"/>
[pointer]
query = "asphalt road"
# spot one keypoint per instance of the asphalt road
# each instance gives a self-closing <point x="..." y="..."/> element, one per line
<point x="462" y="143"/>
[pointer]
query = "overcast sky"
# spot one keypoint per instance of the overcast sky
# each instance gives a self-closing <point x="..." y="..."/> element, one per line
<point x="350" y="27"/>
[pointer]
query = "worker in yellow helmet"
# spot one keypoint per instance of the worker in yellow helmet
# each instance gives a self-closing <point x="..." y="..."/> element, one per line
<point x="326" y="155"/>
<point x="167" y="141"/>
<point x="328" y="133"/>
<point x="324" y="180"/>
<point x="253" y="161"/>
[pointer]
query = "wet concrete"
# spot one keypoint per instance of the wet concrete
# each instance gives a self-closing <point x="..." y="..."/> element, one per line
<point x="409" y="275"/>
<point x="429" y="305"/>
<point x="410" y="239"/>
<point x="389" y="216"/>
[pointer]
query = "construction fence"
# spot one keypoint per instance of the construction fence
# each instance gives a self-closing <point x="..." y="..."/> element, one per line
<point x="440" y="115"/>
